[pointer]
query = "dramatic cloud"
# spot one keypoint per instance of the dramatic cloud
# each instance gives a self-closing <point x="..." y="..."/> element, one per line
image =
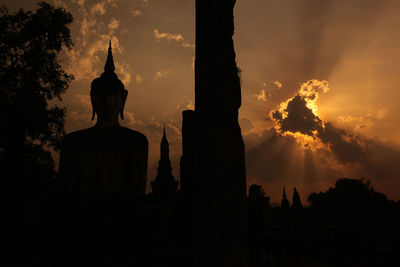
<point x="261" y="95"/>
<point x="168" y="36"/>
<point x="304" y="149"/>
<point x="86" y="24"/>
<point x="292" y="42"/>
<point x="298" y="115"/>
<point x="114" y="24"/>
<point x="84" y="62"/>
<point x="274" y="160"/>
<point x="123" y="73"/>
<point x="162" y="74"/>
<point x="172" y="37"/>
<point x="278" y="84"/>
<point x="99" y="8"/>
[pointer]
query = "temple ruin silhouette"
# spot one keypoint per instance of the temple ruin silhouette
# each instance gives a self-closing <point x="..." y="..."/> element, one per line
<point x="164" y="187"/>
<point x="98" y="211"/>
<point x="107" y="163"/>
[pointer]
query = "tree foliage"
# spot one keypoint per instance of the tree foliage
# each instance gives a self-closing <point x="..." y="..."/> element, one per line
<point x="349" y="202"/>
<point x="256" y="192"/>
<point x="31" y="82"/>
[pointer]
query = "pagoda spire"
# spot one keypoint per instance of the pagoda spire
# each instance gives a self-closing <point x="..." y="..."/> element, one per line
<point x="285" y="202"/>
<point x="109" y="66"/>
<point x="164" y="147"/>
<point x="164" y="185"/>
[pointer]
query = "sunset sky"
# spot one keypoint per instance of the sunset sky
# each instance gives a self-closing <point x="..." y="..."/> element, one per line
<point x="350" y="50"/>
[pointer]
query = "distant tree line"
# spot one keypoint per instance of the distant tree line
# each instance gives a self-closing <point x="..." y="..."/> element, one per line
<point x="352" y="201"/>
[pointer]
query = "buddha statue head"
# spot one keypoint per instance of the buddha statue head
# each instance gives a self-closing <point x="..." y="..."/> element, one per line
<point x="108" y="94"/>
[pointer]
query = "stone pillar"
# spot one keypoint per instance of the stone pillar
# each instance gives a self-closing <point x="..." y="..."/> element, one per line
<point x="218" y="178"/>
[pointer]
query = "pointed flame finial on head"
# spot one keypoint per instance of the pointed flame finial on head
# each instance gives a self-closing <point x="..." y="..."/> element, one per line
<point x="164" y="138"/>
<point x="164" y="148"/>
<point x="109" y="67"/>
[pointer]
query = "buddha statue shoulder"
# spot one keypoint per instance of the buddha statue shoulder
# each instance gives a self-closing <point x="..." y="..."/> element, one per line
<point x="107" y="161"/>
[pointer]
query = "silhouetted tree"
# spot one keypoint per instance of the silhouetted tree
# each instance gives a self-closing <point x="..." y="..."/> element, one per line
<point x="350" y="201"/>
<point x="31" y="78"/>
<point x="256" y="192"/>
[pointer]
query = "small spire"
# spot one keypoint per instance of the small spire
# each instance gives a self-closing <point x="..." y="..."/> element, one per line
<point x="164" y="146"/>
<point x="285" y="202"/>
<point x="164" y="186"/>
<point x="164" y="138"/>
<point x="109" y="67"/>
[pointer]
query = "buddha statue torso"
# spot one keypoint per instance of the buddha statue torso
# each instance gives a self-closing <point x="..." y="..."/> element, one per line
<point x="104" y="164"/>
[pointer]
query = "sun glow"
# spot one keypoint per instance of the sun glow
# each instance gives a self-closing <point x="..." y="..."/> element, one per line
<point x="309" y="94"/>
<point x="307" y="141"/>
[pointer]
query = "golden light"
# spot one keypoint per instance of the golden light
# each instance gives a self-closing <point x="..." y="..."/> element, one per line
<point x="309" y="91"/>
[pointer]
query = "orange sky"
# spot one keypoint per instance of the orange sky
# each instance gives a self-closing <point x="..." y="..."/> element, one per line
<point x="354" y="45"/>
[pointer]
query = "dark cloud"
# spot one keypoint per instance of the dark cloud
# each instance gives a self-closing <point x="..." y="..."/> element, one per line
<point x="381" y="160"/>
<point x="346" y="147"/>
<point x="277" y="157"/>
<point x="274" y="160"/>
<point x="299" y="117"/>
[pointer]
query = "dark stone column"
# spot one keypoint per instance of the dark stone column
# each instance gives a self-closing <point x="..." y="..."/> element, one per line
<point x="215" y="171"/>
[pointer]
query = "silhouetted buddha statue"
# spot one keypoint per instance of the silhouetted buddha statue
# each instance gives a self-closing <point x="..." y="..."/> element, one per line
<point x="106" y="162"/>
